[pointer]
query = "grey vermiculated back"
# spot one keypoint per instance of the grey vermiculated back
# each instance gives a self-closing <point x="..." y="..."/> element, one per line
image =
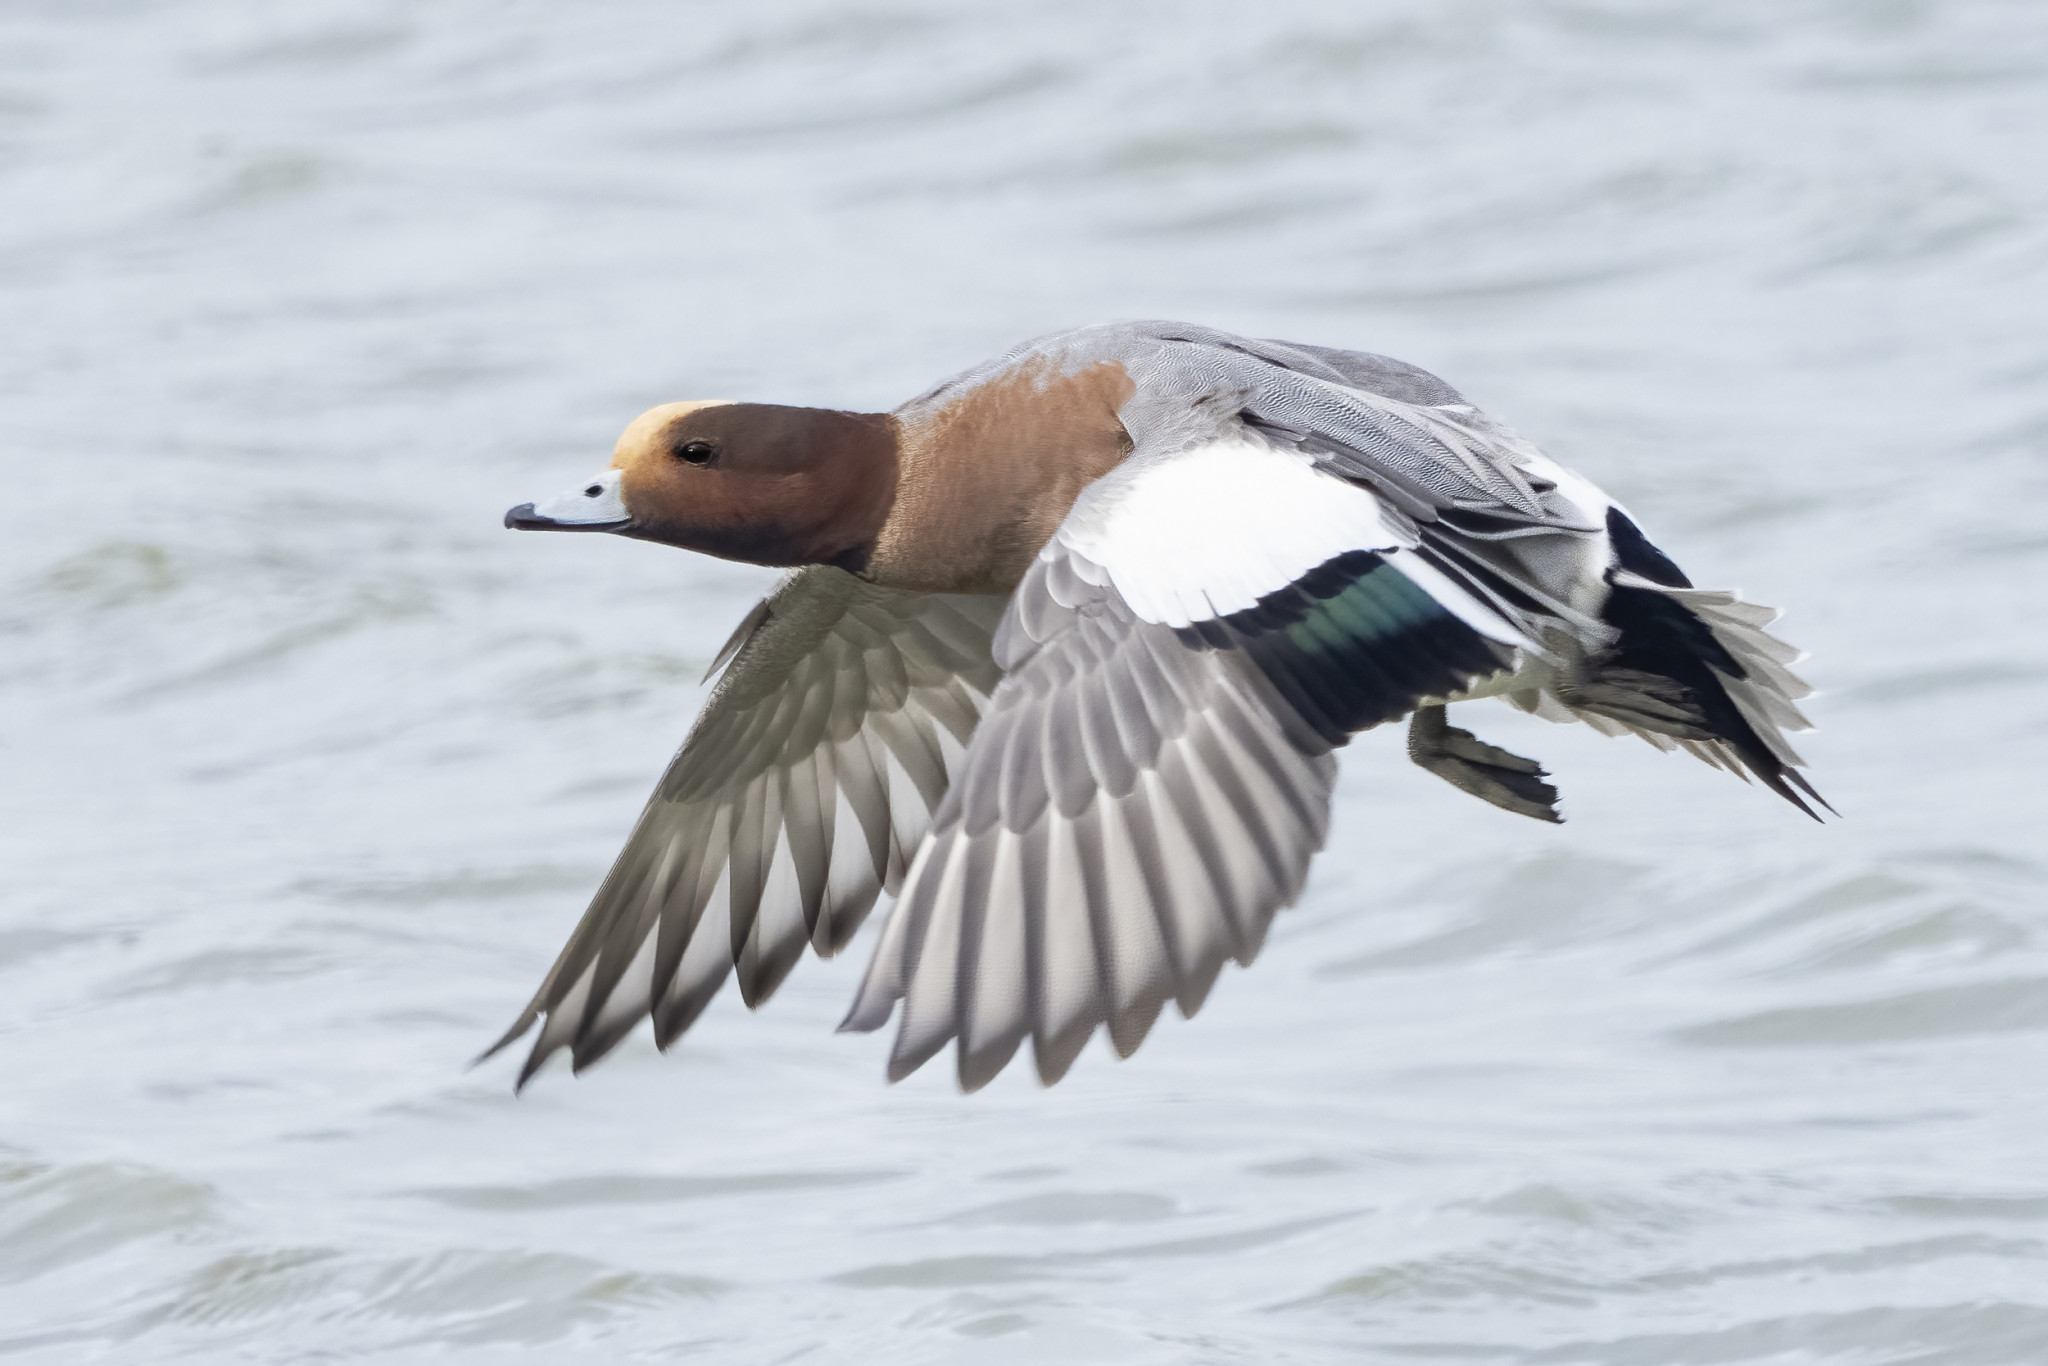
<point x="1191" y="380"/>
<point x="1383" y="375"/>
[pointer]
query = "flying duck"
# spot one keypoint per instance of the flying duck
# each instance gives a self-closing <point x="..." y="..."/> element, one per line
<point x="1063" y="655"/>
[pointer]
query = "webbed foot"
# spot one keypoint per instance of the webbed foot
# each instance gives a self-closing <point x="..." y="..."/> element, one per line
<point x="1488" y="772"/>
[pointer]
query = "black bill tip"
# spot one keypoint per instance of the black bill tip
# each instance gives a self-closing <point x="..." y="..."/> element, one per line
<point x="524" y="518"/>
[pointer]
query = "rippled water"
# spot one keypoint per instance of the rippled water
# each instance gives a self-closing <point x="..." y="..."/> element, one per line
<point x="309" y="765"/>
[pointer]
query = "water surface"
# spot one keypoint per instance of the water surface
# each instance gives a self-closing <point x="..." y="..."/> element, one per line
<point x="310" y="765"/>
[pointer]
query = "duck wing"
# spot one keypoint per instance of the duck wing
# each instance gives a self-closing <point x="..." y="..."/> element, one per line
<point x="802" y="792"/>
<point x="1154" y="772"/>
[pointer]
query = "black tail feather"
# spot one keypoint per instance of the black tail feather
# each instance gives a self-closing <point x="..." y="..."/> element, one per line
<point x="1658" y="634"/>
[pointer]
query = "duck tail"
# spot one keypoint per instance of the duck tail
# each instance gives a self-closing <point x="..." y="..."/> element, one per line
<point x="1694" y="669"/>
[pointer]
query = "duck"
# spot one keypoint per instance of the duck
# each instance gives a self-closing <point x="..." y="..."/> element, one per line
<point x="1061" y="662"/>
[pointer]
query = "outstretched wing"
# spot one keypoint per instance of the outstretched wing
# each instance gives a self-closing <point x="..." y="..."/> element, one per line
<point x="802" y="791"/>
<point x="1154" y="772"/>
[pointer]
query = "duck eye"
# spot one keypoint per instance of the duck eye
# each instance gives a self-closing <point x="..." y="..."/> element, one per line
<point x="697" y="452"/>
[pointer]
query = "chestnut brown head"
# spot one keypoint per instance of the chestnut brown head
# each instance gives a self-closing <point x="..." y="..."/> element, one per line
<point x="757" y="482"/>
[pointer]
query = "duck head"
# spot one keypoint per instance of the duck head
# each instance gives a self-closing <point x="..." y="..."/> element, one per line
<point x="757" y="482"/>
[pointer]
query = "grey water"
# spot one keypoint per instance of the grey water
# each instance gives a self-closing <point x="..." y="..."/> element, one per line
<point x="307" y="766"/>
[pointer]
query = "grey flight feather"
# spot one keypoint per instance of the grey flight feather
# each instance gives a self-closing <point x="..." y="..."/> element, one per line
<point x="1131" y="815"/>
<point x="800" y="794"/>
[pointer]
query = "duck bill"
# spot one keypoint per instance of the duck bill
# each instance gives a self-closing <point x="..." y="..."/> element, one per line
<point x="594" y="506"/>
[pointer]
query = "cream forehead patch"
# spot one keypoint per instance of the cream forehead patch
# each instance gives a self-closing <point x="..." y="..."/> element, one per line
<point x="642" y="428"/>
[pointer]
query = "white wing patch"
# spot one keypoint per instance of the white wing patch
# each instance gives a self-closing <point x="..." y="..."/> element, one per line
<point x="1210" y="531"/>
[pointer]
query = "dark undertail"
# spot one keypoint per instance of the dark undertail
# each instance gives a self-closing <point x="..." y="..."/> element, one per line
<point x="1661" y="636"/>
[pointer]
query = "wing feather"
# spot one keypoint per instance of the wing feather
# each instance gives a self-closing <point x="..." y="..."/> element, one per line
<point x="1140" y="801"/>
<point x="803" y="790"/>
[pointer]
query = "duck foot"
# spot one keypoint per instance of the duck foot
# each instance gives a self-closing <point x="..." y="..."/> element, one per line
<point x="1488" y="772"/>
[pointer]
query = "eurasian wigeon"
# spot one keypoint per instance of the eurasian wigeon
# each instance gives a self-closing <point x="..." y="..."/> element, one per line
<point x="1064" y="652"/>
